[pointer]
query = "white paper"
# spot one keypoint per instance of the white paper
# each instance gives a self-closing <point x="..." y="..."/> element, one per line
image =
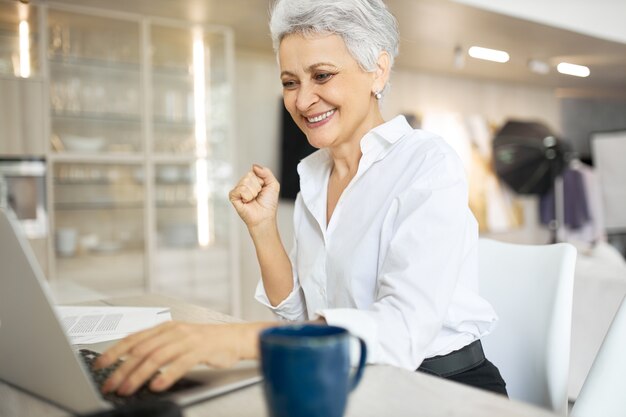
<point x="84" y="324"/>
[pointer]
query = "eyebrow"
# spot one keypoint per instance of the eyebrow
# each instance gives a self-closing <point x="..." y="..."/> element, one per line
<point x="311" y="68"/>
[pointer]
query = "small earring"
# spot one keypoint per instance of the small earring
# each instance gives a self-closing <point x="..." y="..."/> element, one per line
<point x="378" y="95"/>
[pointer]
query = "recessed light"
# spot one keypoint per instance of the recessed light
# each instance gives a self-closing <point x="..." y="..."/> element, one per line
<point x="573" y="69"/>
<point x="487" y="54"/>
<point x="539" y="67"/>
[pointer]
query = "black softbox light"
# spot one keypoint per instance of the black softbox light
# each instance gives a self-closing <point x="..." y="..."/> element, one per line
<point x="528" y="157"/>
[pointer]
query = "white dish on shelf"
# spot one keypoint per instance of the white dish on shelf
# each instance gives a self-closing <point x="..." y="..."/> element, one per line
<point x="139" y="175"/>
<point x="180" y="235"/>
<point x="168" y="174"/>
<point x="108" y="247"/>
<point x="83" y="143"/>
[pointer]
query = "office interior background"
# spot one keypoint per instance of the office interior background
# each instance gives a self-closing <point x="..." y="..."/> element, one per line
<point x="124" y="124"/>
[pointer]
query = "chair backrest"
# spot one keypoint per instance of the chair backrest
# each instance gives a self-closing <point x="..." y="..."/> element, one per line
<point x="603" y="393"/>
<point x="530" y="287"/>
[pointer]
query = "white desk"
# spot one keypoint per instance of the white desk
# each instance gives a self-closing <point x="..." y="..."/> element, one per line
<point x="383" y="391"/>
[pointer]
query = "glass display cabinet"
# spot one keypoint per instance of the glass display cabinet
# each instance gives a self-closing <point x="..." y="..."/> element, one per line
<point x="99" y="227"/>
<point x="140" y="148"/>
<point x="19" y="40"/>
<point x="190" y="117"/>
<point x="95" y="83"/>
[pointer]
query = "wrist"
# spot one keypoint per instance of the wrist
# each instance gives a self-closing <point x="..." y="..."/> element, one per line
<point x="249" y="335"/>
<point x="263" y="229"/>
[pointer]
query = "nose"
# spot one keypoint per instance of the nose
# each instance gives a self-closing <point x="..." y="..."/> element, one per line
<point x="307" y="96"/>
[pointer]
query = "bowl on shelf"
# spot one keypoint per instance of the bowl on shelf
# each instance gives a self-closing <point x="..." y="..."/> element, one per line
<point x="108" y="247"/>
<point x="74" y="143"/>
<point x="180" y="235"/>
<point x="168" y="174"/>
<point x="139" y="175"/>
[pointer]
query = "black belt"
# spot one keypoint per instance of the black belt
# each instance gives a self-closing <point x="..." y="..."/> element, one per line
<point x="455" y="362"/>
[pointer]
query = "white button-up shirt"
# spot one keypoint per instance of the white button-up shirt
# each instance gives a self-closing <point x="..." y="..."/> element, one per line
<point x="397" y="263"/>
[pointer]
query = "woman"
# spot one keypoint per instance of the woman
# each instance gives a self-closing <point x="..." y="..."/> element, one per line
<point x="385" y="244"/>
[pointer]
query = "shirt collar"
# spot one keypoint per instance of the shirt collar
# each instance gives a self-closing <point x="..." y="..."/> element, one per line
<point x="314" y="170"/>
<point x="384" y="135"/>
<point x="373" y="143"/>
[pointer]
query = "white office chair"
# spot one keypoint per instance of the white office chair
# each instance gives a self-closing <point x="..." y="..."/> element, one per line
<point x="530" y="287"/>
<point x="602" y="393"/>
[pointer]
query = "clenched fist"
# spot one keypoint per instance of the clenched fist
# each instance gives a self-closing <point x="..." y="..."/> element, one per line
<point x="255" y="197"/>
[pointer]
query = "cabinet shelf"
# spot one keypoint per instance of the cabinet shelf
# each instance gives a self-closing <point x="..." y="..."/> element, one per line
<point x="103" y="254"/>
<point x="172" y="71"/>
<point x="93" y="182"/>
<point x="90" y="182"/>
<point x="176" y="204"/>
<point x="61" y="61"/>
<point x="91" y="117"/>
<point x="127" y="158"/>
<point x="99" y="206"/>
<point x="165" y="184"/>
<point x="162" y="121"/>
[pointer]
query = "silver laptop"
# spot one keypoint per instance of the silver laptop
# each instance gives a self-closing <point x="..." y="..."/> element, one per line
<point x="35" y="352"/>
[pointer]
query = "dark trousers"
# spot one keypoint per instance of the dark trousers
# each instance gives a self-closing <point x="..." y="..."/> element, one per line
<point x="483" y="376"/>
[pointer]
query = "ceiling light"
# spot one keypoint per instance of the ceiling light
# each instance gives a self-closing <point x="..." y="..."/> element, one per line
<point x="488" y="54"/>
<point x="573" y="69"/>
<point x="538" y="67"/>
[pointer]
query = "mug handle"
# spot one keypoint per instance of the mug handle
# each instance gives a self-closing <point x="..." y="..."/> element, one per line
<point x="356" y="378"/>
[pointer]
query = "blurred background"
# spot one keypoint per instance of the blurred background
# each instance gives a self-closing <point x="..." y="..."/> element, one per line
<point x="124" y="124"/>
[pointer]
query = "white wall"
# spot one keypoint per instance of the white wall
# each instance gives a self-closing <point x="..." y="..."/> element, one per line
<point x="599" y="18"/>
<point x="257" y="105"/>
<point x="419" y="92"/>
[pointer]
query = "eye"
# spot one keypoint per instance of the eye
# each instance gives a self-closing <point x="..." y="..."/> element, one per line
<point x="323" y="76"/>
<point x="289" y="84"/>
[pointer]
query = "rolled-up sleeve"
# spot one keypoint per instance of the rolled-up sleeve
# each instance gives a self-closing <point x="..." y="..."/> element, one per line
<point x="425" y="240"/>
<point x="292" y="308"/>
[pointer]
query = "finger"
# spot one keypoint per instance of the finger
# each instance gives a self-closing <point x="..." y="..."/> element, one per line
<point x="120" y="374"/>
<point x="253" y="181"/>
<point x="269" y="180"/>
<point x="150" y="365"/>
<point x="174" y="372"/>
<point x="237" y="203"/>
<point x="240" y="193"/>
<point x="115" y="352"/>
<point x="147" y="346"/>
<point x="254" y="174"/>
<point x="138" y="355"/>
<point x="245" y="194"/>
<point x="248" y="176"/>
<point x="235" y="195"/>
<point x="264" y="173"/>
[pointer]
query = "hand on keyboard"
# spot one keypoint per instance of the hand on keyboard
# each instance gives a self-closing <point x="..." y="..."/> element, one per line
<point x="176" y="347"/>
<point x="100" y="376"/>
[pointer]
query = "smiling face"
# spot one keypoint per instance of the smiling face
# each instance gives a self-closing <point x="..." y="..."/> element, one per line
<point x="325" y="90"/>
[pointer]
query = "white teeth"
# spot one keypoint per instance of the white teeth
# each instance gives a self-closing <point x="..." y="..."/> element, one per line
<point x="320" y="117"/>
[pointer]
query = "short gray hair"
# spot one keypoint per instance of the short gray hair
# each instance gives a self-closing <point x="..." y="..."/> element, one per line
<point x="366" y="26"/>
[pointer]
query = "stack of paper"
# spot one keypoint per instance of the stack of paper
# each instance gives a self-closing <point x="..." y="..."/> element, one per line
<point x="86" y="325"/>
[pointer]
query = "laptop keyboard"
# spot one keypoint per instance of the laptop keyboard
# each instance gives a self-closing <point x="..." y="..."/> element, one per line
<point x="142" y="394"/>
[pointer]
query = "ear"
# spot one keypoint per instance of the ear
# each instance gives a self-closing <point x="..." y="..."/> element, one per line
<point x="382" y="72"/>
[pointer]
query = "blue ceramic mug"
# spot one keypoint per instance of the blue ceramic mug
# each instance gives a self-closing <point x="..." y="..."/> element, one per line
<point x="306" y="370"/>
